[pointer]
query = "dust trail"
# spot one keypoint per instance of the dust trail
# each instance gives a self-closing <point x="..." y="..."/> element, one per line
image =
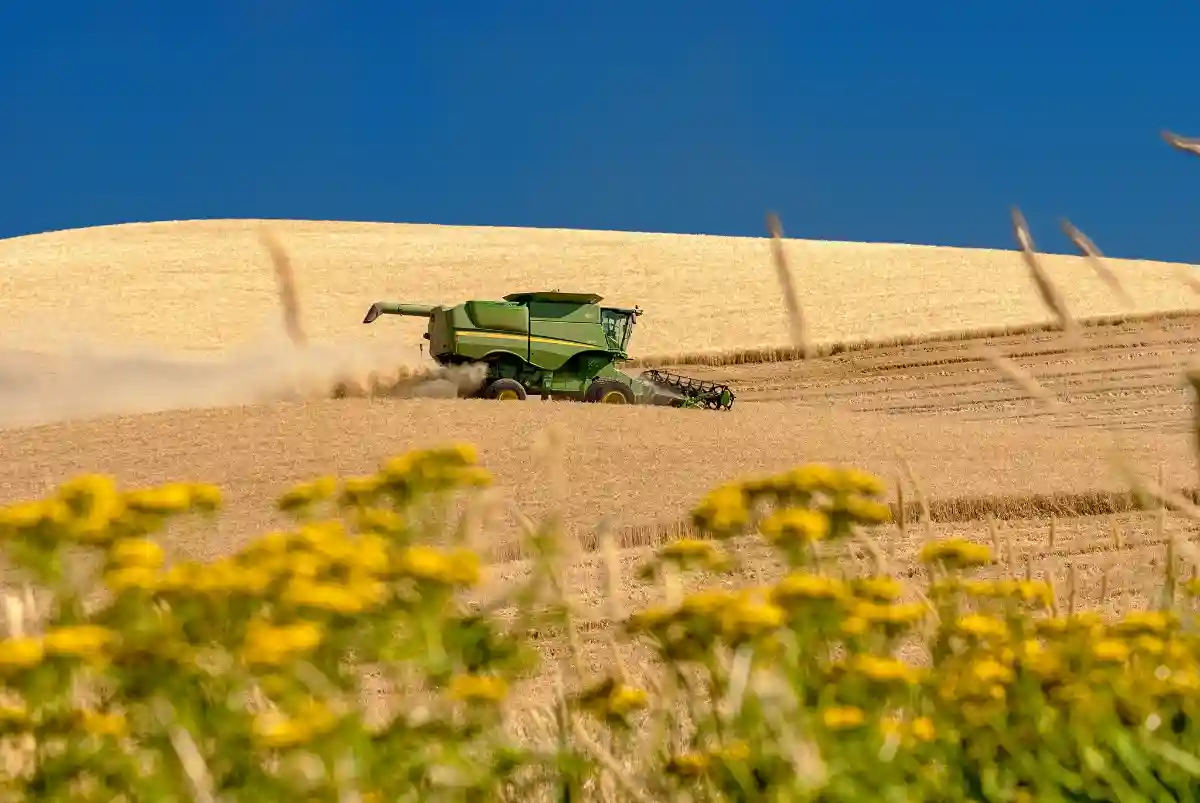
<point x="89" y="382"/>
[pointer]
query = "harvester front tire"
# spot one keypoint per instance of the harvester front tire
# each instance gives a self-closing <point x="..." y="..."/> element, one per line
<point x="609" y="391"/>
<point x="505" y="389"/>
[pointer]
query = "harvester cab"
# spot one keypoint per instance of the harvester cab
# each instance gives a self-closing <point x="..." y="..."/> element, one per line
<point x="552" y="344"/>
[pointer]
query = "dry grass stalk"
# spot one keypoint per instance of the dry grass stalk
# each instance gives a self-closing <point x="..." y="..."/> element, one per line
<point x="285" y="281"/>
<point x="1050" y="534"/>
<point x="922" y="500"/>
<point x="1097" y="261"/>
<point x="1048" y="291"/>
<point x="609" y="763"/>
<point x="791" y="300"/>
<point x="1104" y="577"/>
<point x="612" y="584"/>
<point x="1020" y="377"/>
<point x="1186" y="144"/>
<point x="1073" y="592"/>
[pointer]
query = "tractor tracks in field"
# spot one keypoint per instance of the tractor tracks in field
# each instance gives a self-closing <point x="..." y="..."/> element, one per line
<point x="1130" y="375"/>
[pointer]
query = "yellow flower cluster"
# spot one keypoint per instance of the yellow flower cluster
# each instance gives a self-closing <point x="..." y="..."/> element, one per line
<point x="275" y="730"/>
<point x="478" y="688"/>
<point x="612" y="700"/>
<point x="91" y="509"/>
<point x="812" y="503"/>
<point x="90" y="643"/>
<point x="956" y="553"/>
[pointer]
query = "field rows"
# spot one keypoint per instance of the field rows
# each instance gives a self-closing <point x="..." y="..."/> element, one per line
<point x="1129" y="375"/>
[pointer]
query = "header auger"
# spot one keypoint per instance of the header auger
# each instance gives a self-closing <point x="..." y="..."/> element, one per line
<point x="554" y="345"/>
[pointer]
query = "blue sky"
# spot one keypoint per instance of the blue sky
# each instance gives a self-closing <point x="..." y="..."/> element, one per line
<point x="911" y="122"/>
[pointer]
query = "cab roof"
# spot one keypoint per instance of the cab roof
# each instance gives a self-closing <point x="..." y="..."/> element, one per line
<point x="555" y="295"/>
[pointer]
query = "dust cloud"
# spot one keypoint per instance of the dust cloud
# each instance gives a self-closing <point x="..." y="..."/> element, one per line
<point x="83" y="382"/>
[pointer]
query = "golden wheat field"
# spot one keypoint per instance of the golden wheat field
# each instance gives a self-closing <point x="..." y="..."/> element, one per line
<point x="984" y="458"/>
<point x="205" y="285"/>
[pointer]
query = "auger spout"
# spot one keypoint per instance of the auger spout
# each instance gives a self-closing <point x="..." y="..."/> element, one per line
<point x="396" y="308"/>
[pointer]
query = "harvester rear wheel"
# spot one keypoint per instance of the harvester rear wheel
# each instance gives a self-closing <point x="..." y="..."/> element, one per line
<point x="505" y="389"/>
<point x="609" y="391"/>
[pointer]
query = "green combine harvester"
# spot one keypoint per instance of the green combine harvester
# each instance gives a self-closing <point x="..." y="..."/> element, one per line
<point x="554" y="345"/>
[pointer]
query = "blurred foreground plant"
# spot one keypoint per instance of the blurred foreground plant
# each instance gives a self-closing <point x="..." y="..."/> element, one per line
<point x="243" y="678"/>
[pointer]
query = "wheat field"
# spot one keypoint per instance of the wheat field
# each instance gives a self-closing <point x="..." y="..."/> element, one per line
<point x="985" y="458"/>
<point x="202" y="286"/>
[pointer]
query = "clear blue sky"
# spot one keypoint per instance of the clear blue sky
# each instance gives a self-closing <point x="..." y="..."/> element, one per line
<point x="912" y="122"/>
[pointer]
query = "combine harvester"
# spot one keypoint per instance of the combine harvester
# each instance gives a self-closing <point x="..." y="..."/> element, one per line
<point x="553" y="345"/>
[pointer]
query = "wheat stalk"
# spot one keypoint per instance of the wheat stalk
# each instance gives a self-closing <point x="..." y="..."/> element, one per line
<point x="285" y="281"/>
<point x="791" y="300"/>
<point x="1050" y="295"/>
<point x="1096" y="260"/>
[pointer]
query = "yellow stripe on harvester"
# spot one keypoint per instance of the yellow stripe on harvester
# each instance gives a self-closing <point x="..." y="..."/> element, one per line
<point x="507" y="336"/>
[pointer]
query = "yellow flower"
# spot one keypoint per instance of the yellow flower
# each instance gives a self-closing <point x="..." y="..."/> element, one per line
<point x="795" y="524"/>
<point x="880" y="589"/>
<point x="893" y="615"/>
<point x="380" y="520"/>
<point x="163" y="500"/>
<point x="956" y="552"/>
<point x="626" y="699"/>
<point x="141" y="552"/>
<point x="140" y="578"/>
<point x="747" y="617"/>
<point x="323" y="596"/>
<point x="706" y="602"/>
<point x="304" y="494"/>
<point x="885" y="669"/>
<point x="276" y="731"/>
<point x="611" y="698"/>
<point x="842" y="717"/>
<point x="13" y="714"/>
<point x="462" y="453"/>
<point x="649" y="618"/>
<point x="20" y="652"/>
<point x="863" y="511"/>
<point x="814" y="478"/>
<point x="990" y="671"/>
<point x="96" y="504"/>
<point x="804" y="585"/>
<point x="690" y="549"/>
<point x="981" y="626"/>
<point x="30" y="515"/>
<point x="922" y="728"/>
<point x="269" y="644"/>
<point x="100" y="724"/>
<point x="1150" y="645"/>
<point x="360" y="491"/>
<point x="205" y="496"/>
<point x="82" y="641"/>
<point x="723" y="510"/>
<point x="734" y="751"/>
<point x="478" y="688"/>
<point x="459" y="567"/>
<point x="856" y="481"/>
<point x="371" y="554"/>
<point x="688" y="765"/>
<point x="1154" y="622"/>
<point x="226" y="576"/>
<point x="1111" y="650"/>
